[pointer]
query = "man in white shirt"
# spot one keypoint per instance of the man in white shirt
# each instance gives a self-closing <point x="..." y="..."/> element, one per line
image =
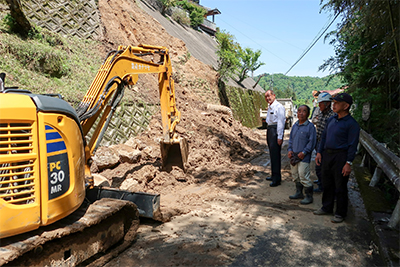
<point x="276" y="126"/>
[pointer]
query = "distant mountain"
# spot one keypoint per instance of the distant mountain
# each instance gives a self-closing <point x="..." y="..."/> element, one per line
<point x="299" y="88"/>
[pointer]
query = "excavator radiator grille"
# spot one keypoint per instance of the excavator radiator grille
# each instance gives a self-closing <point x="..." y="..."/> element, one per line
<point x="17" y="172"/>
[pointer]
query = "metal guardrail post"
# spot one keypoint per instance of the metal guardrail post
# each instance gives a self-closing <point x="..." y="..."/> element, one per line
<point x="388" y="162"/>
<point x="376" y="177"/>
<point x="395" y="218"/>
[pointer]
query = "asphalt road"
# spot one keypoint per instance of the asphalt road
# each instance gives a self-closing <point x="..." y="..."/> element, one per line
<point x="256" y="225"/>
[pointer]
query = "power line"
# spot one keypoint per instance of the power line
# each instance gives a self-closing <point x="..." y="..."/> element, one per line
<point x="312" y="44"/>
<point x="255" y="42"/>
<point x="238" y="19"/>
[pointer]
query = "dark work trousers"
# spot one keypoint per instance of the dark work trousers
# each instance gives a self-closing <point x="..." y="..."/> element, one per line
<point x="274" y="153"/>
<point x="334" y="183"/>
<point x="318" y="171"/>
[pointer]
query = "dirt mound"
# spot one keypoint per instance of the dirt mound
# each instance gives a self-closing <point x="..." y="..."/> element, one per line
<point x="220" y="148"/>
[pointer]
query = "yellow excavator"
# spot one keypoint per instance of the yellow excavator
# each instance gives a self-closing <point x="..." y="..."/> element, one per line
<point x="50" y="211"/>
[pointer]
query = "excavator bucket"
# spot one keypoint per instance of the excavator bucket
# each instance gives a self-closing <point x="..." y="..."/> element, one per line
<point x="174" y="153"/>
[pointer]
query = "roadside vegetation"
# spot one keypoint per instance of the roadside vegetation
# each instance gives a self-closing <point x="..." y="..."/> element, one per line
<point x="196" y="13"/>
<point x="298" y="88"/>
<point x="367" y="57"/>
<point x="46" y="62"/>
<point x="234" y="61"/>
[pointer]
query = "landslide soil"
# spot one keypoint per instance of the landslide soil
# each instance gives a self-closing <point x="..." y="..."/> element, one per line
<point x="220" y="148"/>
<point x="218" y="208"/>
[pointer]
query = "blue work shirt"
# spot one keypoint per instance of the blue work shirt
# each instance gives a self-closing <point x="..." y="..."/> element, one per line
<point x="302" y="139"/>
<point x="341" y="133"/>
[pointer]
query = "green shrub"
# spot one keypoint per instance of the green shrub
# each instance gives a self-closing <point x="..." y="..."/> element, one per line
<point x="181" y="17"/>
<point x="38" y="57"/>
<point x="196" y="13"/>
<point x="50" y="63"/>
<point x="8" y="23"/>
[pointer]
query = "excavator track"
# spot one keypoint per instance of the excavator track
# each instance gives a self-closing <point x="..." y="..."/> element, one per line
<point x="90" y="230"/>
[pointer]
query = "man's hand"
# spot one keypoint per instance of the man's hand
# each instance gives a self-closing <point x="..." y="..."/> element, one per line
<point x="301" y="155"/>
<point x="346" y="170"/>
<point x="290" y="154"/>
<point x="318" y="159"/>
<point x="280" y="141"/>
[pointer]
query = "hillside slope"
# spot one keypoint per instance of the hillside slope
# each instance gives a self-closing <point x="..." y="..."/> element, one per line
<point x="216" y="212"/>
<point x="124" y="22"/>
<point x="219" y="146"/>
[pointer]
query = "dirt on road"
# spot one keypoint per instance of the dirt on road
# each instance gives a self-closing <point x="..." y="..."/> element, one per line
<point x="225" y="214"/>
<point x="222" y="210"/>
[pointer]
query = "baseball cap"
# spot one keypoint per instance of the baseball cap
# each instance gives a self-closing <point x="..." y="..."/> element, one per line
<point x="344" y="97"/>
<point x="324" y="97"/>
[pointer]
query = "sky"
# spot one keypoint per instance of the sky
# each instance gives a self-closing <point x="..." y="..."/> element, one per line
<point x="281" y="29"/>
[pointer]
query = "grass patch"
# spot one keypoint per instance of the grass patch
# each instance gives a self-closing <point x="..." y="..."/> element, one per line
<point x="47" y="62"/>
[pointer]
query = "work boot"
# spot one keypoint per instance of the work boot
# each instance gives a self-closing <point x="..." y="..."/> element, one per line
<point x="318" y="189"/>
<point x="309" y="196"/>
<point x="299" y="191"/>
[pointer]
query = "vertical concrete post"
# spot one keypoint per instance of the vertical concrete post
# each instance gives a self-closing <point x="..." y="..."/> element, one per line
<point x="395" y="218"/>
<point x="363" y="160"/>
<point x="376" y="177"/>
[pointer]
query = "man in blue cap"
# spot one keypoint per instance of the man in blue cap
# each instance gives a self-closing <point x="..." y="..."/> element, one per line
<point x="338" y="146"/>
<point x="324" y="104"/>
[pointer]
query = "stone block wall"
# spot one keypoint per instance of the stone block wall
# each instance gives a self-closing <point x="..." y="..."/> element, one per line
<point x="245" y="104"/>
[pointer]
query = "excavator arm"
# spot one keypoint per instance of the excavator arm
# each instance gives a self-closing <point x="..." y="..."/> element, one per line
<point x="122" y="68"/>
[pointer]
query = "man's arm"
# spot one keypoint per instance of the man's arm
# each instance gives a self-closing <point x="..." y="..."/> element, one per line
<point x="290" y="147"/>
<point x="316" y="115"/>
<point x="311" y="140"/>
<point x="353" y="137"/>
<point x="280" y="128"/>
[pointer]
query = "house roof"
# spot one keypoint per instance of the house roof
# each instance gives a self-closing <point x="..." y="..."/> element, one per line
<point x="333" y="92"/>
<point x="213" y="11"/>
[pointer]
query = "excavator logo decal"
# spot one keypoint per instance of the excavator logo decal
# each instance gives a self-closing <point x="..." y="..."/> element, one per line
<point x="136" y="66"/>
<point x="57" y="163"/>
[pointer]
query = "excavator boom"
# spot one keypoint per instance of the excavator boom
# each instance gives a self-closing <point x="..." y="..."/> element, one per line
<point x="121" y="68"/>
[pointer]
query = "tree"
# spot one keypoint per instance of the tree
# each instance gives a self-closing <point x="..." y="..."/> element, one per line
<point x="166" y="4"/>
<point x="248" y="62"/>
<point x="366" y="44"/>
<point x="228" y="61"/>
<point x="18" y="22"/>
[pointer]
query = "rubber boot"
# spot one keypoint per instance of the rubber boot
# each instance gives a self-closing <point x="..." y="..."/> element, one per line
<point x="299" y="191"/>
<point x="309" y="196"/>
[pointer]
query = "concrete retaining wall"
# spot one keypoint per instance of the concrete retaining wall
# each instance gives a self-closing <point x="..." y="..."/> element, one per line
<point x="76" y="18"/>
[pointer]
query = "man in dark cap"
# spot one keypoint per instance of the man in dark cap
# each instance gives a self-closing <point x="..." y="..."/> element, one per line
<point x="338" y="146"/>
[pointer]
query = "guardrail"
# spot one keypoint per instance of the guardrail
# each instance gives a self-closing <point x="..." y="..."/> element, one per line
<point x="388" y="163"/>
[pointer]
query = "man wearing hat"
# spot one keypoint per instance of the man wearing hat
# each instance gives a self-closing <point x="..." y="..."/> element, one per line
<point x="338" y="147"/>
<point x="324" y="104"/>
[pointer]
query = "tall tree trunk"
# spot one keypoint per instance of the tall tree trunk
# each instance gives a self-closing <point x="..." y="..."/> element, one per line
<point x="259" y="78"/>
<point x="23" y="26"/>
